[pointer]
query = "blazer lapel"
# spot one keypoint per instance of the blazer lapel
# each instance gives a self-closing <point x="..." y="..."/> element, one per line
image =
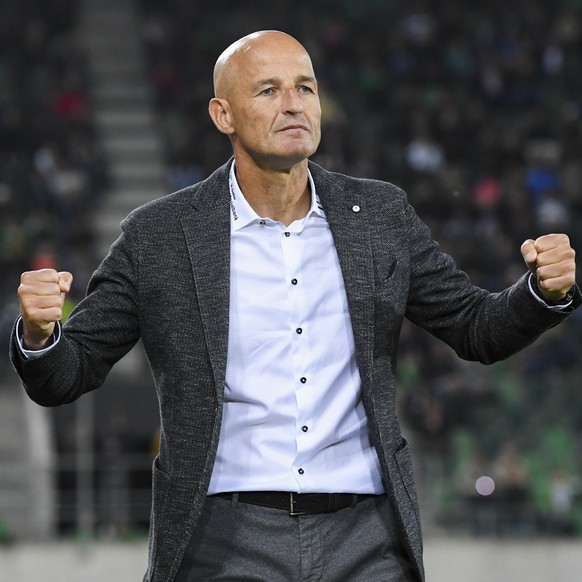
<point x="207" y="232"/>
<point x="346" y="214"/>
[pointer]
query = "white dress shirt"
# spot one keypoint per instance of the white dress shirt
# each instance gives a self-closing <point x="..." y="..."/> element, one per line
<point x="293" y="417"/>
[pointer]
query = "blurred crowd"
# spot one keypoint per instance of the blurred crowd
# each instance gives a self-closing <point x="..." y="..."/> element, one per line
<point x="51" y="168"/>
<point x="474" y="109"/>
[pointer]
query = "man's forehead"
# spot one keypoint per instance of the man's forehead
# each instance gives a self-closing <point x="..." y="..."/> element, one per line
<point x="262" y="63"/>
<point x="262" y="56"/>
<point x="275" y="53"/>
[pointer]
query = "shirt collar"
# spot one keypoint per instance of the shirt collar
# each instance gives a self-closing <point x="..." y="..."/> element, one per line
<point x="242" y="213"/>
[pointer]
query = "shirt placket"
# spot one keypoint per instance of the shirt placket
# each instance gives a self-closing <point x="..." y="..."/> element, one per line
<point x="291" y="247"/>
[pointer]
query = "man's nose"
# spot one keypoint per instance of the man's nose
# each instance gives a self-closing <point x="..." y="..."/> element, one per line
<point x="292" y="101"/>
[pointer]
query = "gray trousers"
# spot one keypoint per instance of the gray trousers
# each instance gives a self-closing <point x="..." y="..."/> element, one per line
<point x="237" y="542"/>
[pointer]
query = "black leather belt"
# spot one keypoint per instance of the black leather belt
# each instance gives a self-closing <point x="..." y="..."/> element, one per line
<point x="298" y="503"/>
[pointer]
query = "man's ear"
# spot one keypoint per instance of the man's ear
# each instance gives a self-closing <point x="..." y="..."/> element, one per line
<point x="219" y="110"/>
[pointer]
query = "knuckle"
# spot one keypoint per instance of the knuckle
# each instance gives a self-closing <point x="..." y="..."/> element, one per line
<point x="26" y="277"/>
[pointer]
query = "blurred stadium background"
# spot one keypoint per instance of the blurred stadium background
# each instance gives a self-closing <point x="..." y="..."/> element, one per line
<point x="475" y="109"/>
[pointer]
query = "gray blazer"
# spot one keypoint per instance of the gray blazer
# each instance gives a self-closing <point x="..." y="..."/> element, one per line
<point x="166" y="281"/>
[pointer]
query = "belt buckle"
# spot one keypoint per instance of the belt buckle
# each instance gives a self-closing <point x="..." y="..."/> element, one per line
<point x="292" y="502"/>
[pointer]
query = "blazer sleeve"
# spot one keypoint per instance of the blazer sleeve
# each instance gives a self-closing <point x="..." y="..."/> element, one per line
<point x="477" y="324"/>
<point x="101" y="330"/>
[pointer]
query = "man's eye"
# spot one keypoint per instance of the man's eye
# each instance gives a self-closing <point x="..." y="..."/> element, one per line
<point x="305" y="89"/>
<point x="268" y="91"/>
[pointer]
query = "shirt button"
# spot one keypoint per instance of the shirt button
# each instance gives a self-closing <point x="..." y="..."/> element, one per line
<point x="301" y="471"/>
<point x="293" y="281"/>
<point x="287" y="234"/>
<point x="304" y="428"/>
<point x="299" y="330"/>
<point x="303" y="380"/>
<point x="262" y="223"/>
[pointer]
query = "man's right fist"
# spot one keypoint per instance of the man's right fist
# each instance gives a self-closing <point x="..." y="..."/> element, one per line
<point x="41" y="304"/>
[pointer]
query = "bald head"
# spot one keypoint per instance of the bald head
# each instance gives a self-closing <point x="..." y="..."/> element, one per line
<point x="266" y="101"/>
<point x="228" y="66"/>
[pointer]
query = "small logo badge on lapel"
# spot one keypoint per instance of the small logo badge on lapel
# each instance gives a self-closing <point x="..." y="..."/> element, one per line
<point x="356" y="208"/>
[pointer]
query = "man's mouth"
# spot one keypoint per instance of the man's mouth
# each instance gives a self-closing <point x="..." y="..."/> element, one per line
<point x="294" y="127"/>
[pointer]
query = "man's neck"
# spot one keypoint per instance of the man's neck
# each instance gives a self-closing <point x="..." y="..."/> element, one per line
<point x="283" y="196"/>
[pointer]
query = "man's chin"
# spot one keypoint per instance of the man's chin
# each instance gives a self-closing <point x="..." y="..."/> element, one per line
<point x="296" y="155"/>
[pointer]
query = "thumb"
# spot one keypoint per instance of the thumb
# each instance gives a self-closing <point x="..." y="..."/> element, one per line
<point x="529" y="254"/>
<point x="65" y="281"/>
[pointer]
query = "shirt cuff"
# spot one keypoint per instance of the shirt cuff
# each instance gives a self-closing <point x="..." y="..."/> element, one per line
<point x="564" y="305"/>
<point x="35" y="354"/>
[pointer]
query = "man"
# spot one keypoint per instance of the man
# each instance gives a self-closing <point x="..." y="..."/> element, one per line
<point x="269" y="299"/>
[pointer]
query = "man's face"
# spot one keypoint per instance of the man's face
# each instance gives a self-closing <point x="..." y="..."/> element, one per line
<point x="273" y="103"/>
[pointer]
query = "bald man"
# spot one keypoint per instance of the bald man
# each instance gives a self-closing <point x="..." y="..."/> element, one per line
<point x="269" y="299"/>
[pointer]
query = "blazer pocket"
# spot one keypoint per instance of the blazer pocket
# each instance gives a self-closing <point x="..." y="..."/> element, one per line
<point x="391" y="288"/>
<point x="385" y="273"/>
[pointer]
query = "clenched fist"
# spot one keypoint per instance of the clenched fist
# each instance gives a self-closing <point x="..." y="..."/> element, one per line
<point x="42" y="294"/>
<point x="552" y="261"/>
